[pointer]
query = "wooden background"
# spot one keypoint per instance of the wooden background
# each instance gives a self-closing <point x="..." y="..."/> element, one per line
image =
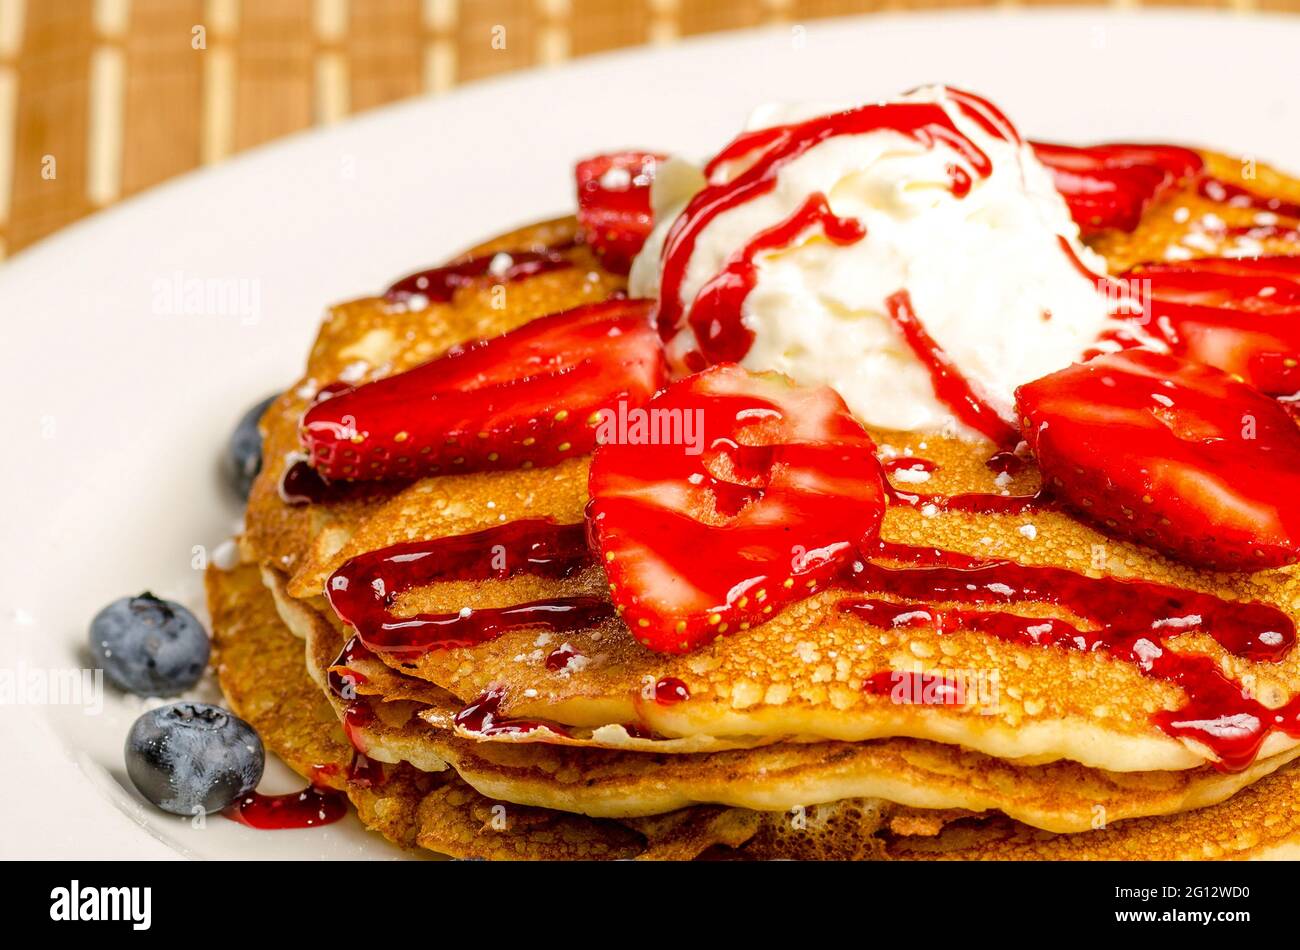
<point x="102" y="98"/>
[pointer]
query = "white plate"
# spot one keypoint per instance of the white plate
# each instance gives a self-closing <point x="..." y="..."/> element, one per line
<point x="119" y="402"/>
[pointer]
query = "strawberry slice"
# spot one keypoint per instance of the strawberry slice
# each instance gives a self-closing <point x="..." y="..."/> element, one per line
<point x="1172" y="454"/>
<point x="1241" y="315"/>
<point x="1109" y="186"/>
<point x="614" y="205"/>
<point x="527" y="397"/>
<point x="727" y="498"/>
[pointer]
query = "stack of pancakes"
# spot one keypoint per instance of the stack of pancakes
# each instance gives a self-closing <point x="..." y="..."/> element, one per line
<point x="778" y="751"/>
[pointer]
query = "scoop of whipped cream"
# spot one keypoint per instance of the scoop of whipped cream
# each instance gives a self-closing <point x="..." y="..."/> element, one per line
<point x="980" y="240"/>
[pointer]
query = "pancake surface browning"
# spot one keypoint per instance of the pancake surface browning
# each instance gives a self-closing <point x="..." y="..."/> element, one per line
<point x="441" y="812"/>
<point x="1061" y="796"/>
<point x="261" y="667"/>
<point x="797" y="677"/>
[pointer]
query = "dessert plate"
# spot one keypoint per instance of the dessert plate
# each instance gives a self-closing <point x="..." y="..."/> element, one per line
<point x="134" y="340"/>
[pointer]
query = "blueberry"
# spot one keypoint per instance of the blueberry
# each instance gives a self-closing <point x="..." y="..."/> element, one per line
<point x="149" y="646"/>
<point x="244" y="450"/>
<point x="192" y="757"/>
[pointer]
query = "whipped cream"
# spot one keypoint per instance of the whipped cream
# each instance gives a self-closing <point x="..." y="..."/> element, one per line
<point x="988" y="273"/>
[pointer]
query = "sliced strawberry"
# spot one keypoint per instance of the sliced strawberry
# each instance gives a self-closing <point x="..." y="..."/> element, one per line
<point x="1241" y="315"/>
<point x="1109" y="186"/>
<point x="528" y="397"/>
<point x="753" y="494"/>
<point x="614" y="205"/>
<point x="1172" y="454"/>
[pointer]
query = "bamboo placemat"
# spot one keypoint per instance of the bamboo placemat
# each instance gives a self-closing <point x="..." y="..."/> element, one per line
<point x="102" y="98"/>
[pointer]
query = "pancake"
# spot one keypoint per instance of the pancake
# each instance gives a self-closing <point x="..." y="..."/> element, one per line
<point x="1260" y="823"/>
<point x="777" y="723"/>
<point x="261" y="667"/>
<point x="372" y="337"/>
<point x="261" y="673"/>
<point x="801" y="673"/>
<point x="1060" y="797"/>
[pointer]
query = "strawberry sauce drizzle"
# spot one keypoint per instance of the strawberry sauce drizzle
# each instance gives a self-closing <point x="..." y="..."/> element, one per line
<point x="976" y="503"/>
<point x="363" y="591"/>
<point x="440" y="284"/>
<point x="1132" y="618"/>
<point x="1236" y="196"/>
<point x="365" y="772"/>
<point x="911" y="687"/>
<point x="559" y="658"/>
<point x="950" y="386"/>
<point x="309" y="808"/>
<point x="670" y="691"/>
<point x="483" y="717"/>
<point x="714" y="316"/>
<point x="303" y="485"/>
<point x="343" y="682"/>
<point x="986" y="503"/>
<point x="1005" y="463"/>
<point x="926" y="123"/>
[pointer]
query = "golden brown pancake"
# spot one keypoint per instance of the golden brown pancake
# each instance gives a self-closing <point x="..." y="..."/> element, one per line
<point x="801" y="673"/>
<point x="260" y="664"/>
<point x="262" y="671"/>
<point x="1078" y="726"/>
<point x="640" y="781"/>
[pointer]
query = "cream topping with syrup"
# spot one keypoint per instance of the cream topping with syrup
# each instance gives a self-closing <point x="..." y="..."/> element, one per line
<point x="934" y="194"/>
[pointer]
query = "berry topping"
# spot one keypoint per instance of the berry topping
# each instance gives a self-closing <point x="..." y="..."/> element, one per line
<point x="191" y="758"/>
<point x="1109" y="186"/>
<point x="244" y="450"/>
<point x="529" y="397"/>
<point x="1241" y="315"/>
<point x="732" y="496"/>
<point x="148" y="646"/>
<point x="1172" y="454"/>
<point x="440" y="284"/>
<point x="614" y="205"/>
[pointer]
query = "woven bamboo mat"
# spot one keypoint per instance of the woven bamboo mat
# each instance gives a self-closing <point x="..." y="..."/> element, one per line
<point x="102" y="98"/>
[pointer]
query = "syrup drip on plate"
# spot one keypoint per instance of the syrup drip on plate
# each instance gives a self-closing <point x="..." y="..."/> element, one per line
<point x="364" y="590"/>
<point x="310" y="808"/>
<point x="1132" y="619"/>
